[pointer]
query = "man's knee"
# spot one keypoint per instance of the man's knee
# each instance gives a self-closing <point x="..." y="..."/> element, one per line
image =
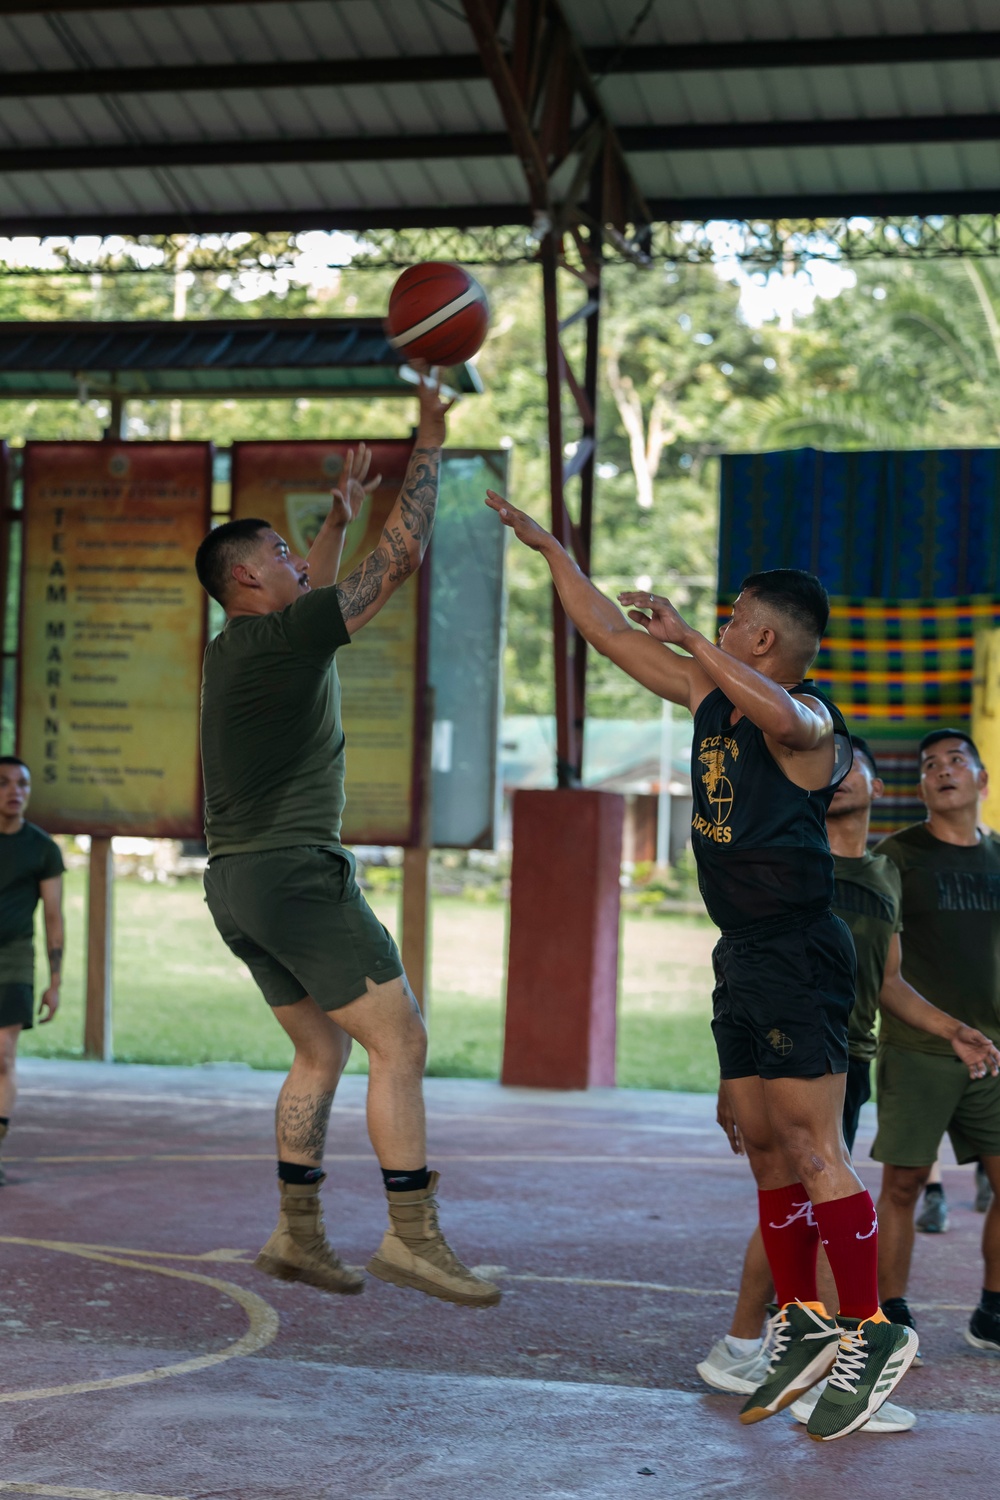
<point x="812" y="1153"/>
<point x="902" y="1186"/>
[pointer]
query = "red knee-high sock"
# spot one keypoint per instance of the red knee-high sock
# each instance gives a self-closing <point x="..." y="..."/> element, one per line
<point x="791" y="1242"/>
<point x="849" y="1230"/>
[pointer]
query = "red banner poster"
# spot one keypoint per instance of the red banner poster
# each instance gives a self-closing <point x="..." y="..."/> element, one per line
<point x="112" y="636"/>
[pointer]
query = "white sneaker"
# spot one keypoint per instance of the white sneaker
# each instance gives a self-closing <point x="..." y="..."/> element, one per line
<point x="888" y="1418"/>
<point x="739" y="1373"/>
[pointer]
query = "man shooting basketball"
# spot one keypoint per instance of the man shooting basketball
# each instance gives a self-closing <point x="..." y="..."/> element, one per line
<point x="768" y="754"/>
<point x="280" y="885"/>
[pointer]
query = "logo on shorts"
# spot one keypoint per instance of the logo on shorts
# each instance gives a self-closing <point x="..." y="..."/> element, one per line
<point x="779" y="1042"/>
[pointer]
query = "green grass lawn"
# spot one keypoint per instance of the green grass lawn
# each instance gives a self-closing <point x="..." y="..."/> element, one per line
<point x="180" y="997"/>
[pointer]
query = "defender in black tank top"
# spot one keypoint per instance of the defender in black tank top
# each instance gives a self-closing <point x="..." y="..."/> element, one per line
<point x="767" y="760"/>
<point x="760" y="840"/>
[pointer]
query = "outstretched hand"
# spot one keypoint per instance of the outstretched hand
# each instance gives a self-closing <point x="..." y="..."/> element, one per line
<point x="524" y="528"/>
<point x="657" y="615"/>
<point x="347" y="501"/>
<point x="434" y="409"/>
<point x="976" y="1051"/>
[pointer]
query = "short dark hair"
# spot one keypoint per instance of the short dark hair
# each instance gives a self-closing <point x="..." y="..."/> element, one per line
<point x="862" y="747"/>
<point x="949" y="734"/>
<point x="14" y="760"/>
<point x="230" y="543"/>
<point x="797" y="594"/>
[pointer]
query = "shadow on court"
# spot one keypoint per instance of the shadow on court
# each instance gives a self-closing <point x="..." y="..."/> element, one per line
<point x="145" y="1358"/>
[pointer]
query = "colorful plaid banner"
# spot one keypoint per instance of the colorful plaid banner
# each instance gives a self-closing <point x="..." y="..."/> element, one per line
<point x="908" y="546"/>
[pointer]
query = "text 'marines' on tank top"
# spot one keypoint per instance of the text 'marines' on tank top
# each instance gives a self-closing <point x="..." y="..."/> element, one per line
<point x="760" y="841"/>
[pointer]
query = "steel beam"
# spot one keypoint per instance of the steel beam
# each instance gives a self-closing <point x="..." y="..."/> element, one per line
<point x="663" y="58"/>
<point x="242" y="153"/>
<point x="201" y="78"/>
<point x="635" y="140"/>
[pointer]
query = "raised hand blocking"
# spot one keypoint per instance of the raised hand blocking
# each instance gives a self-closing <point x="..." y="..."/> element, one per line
<point x="662" y="620"/>
<point x="524" y="528"/>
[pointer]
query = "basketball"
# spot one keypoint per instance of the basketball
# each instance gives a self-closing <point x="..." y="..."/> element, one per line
<point x="437" y="312"/>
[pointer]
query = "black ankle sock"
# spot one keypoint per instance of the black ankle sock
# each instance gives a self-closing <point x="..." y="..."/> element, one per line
<point x="294" y="1172"/>
<point x="934" y="1187"/>
<point x="405" y="1182"/>
<point x="990" y="1302"/>
<point x="893" y="1306"/>
<point x="4" y="1119"/>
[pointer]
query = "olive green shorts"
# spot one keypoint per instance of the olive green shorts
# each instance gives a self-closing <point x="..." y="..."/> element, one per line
<point x="299" y="922"/>
<point x="920" y="1096"/>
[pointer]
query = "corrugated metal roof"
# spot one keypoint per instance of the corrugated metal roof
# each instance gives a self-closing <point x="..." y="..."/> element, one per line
<point x="251" y="133"/>
<point x="232" y="357"/>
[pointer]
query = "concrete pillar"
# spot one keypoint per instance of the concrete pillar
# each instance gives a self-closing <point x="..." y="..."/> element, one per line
<point x="565" y="905"/>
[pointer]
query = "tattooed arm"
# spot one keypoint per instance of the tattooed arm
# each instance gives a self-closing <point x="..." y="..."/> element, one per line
<point x="51" y="892"/>
<point x="408" y="529"/>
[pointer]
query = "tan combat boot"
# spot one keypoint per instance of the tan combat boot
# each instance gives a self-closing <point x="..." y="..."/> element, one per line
<point x="415" y="1253"/>
<point x="298" y="1250"/>
<point x="3" y="1131"/>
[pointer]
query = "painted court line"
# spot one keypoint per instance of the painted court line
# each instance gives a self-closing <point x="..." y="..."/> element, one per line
<point x="261" y="1317"/>
<point x="73" y="1492"/>
<point x="726" y="1159"/>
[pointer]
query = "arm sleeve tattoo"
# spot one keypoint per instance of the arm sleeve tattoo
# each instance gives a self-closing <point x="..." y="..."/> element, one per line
<point x="401" y="549"/>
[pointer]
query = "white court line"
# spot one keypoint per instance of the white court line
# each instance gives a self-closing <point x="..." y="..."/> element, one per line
<point x="73" y="1492"/>
<point x="261" y="1318"/>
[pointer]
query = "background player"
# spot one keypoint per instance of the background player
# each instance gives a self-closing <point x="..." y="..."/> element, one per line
<point x="867" y="897"/>
<point x="280" y="885"/>
<point x="950" y="876"/>
<point x="31" y="868"/>
<point x="764" y="764"/>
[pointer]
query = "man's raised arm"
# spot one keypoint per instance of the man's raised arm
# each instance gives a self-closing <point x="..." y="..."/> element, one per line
<point x="407" y="531"/>
<point x="793" y="722"/>
<point x="601" y="623"/>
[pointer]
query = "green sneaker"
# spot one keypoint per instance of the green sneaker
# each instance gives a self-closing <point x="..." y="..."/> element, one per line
<point x="872" y="1358"/>
<point x="802" y="1340"/>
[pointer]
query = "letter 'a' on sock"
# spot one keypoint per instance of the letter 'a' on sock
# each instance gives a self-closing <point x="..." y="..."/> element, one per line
<point x="791" y="1241"/>
<point x="406" y="1182"/>
<point x="849" y="1227"/>
<point x="295" y="1173"/>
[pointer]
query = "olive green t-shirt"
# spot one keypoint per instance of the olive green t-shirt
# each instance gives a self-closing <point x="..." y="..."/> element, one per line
<point x="951" y="911"/>
<point x="26" y="859"/>
<point x="867" y="895"/>
<point x="272" y="744"/>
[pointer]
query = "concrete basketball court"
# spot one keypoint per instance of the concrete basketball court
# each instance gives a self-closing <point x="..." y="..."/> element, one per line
<point x="146" y="1359"/>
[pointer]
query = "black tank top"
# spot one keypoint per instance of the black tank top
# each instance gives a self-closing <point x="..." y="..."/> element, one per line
<point x="759" y="840"/>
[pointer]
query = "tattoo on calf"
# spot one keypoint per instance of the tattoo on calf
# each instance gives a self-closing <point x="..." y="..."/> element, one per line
<point x="302" y="1121"/>
<point x="361" y="589"/>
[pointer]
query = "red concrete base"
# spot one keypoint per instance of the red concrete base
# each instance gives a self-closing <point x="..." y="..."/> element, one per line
<point x="562" y="974"/>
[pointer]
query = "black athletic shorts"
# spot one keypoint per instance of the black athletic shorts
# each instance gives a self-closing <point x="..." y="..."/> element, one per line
<point x="783" y="997"/>
<point x="17" y="1005"/>
<point x="857" y="1092"/>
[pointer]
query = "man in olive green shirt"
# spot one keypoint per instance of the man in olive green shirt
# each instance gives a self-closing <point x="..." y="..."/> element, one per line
<point x="280" y="884"/>
<point x="950" y="875"/>
<point x="866" y="897"/>
<point x="31" y="869"/>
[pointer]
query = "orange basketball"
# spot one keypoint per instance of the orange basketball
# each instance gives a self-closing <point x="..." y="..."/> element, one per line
<point x="437" y="312"/>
